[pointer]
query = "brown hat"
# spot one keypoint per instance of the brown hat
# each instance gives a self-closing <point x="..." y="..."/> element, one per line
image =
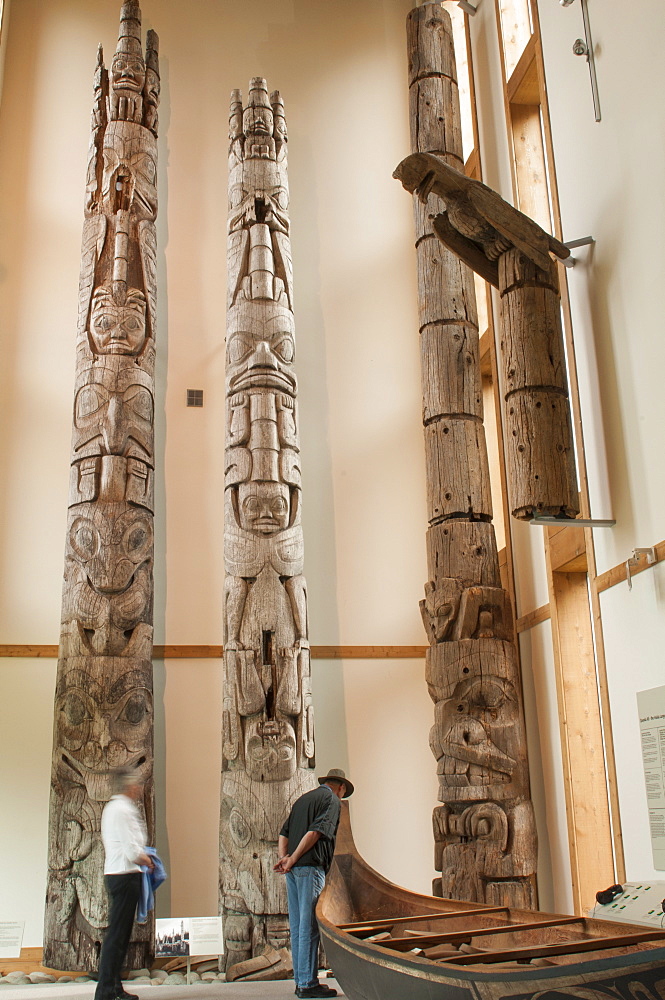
<point x="335" y="774"/>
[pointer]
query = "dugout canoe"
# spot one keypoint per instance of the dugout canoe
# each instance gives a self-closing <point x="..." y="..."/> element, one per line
<point x="387" y="943"/>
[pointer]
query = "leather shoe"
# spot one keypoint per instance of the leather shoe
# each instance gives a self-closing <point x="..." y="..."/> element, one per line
<point x="320" y="990"/>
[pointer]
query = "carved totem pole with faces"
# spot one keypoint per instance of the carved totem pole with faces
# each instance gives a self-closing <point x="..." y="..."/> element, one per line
<point x="268" y="732"/>
<point x="103" y="699"/>
<point x="484" y="831"/>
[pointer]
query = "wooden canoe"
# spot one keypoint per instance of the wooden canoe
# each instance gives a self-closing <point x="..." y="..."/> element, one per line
<point x="387" y="943"/>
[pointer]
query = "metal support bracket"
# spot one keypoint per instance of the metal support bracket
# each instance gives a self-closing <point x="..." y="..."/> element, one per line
<point x="584" y="241"/>
<point x="634" y="560"/>
<point x="562" y="521"/>
<point x="467" y="7"/>
<point x="584" y="47"/>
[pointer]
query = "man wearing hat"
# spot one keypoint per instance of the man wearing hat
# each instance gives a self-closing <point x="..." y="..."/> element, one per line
<point x="306" y="847"/>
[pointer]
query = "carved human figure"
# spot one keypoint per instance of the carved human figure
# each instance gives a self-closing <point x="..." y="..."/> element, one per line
<point x="118" y="327"/>
<point x="112" y="440"/>
<point x="127" y="75"/>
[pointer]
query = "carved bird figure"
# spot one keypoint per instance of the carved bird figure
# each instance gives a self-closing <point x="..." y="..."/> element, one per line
<point x="477" y="224"/>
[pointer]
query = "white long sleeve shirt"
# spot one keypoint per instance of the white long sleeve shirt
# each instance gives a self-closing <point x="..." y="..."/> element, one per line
<point x="123" y="835"/>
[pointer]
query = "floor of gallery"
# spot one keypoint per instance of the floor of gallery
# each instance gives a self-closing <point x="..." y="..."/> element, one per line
<point x="278" y="990"/>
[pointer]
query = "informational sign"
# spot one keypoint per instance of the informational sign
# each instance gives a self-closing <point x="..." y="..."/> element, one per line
<point x="205" y="936"/>
<point x="11" y="938"/>
<point x="188" y="936"/>
<point x="651" y="707"/>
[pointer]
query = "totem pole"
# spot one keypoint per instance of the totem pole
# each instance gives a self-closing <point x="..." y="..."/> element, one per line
<point x="268" y="731"/>
<point x="103" y="699"/>
<point x="511" y="251"/>
<point x="484" y="831"/>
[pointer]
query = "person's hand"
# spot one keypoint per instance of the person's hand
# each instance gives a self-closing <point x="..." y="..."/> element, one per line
<point x="145" y="859"/>
<point x="283" y="866"/>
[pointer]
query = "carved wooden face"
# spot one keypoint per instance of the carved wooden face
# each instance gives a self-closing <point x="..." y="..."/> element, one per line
<point x="152" y="86"/>
<point x="257" y="121"/>
<point x="473" y="737"/>
<point x="103" y="724"/>
<point x="270" y="758"/>
<point x="260" y="352"/>
<point x="127" y="72"/>
<point x="129" y="173"/>
<point x="443" y="606"/>
<point x="118" y="328"/>
<point x="263" y="507"/>
<point x="111" y="542"/>
<point x="113" y="412"/>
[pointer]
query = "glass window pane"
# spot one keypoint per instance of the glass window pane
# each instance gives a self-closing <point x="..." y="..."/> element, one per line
<point x="463" y="82"/>
<point x="516" y="30"/>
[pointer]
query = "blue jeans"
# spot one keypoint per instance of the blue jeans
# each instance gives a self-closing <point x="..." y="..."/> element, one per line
<point x="304" y="885"/>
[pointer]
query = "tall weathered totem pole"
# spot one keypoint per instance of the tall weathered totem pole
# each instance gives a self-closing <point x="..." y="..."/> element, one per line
<point x="484" y="831"/>
<point x="103" y="700"/>
<point x="268" y="729"/>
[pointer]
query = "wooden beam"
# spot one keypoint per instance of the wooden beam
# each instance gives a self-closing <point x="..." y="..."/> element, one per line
<point x="567" y="550"/>
<point x="611" y="577"/>
<point x="31" y="961"/>
<point x="191" y="652"/>
<point x="472" y="165"/>
<point x="522" y="87"/>
<point x="532" y="618"/>
<point x="426" y="940"/>
<point x="562" y="948"/>
<point x="585" y="778"/>
<point x="32" y="651"/>
<point x="379" y="925"/>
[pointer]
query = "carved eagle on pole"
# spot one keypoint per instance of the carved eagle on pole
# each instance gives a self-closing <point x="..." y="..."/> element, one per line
<point x="477" y="224"/>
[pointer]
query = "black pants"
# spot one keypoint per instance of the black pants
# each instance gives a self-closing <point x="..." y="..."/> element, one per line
<point x="123" y="892"/>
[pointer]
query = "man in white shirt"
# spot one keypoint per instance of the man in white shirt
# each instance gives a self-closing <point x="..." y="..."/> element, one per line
<point x="124" y="838"/>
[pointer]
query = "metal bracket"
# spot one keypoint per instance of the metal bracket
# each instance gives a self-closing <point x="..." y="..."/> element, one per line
<point x="584" y="47"/>
<point x="562" y="521"/>
<point x="584" y="241"/>
<point x="467" y="7"/>
<point x="634" y="560"/>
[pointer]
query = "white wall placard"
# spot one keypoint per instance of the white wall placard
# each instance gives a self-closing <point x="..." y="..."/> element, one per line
<point x="191" y="936"/>
<point x="11" y="938"/>
<point x="205" y="936"/>
<point x="651" y="707"/>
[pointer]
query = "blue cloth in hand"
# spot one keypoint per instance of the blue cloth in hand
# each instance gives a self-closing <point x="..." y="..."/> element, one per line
<point x="152" y="879"/>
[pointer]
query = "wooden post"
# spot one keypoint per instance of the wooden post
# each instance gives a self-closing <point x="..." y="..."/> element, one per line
<point x="485" y="839"/>
<point x="538" y="428"/>
<point x="508" y="249"/>
<point x="103" y="699"/>
<point x="268" y="729"/>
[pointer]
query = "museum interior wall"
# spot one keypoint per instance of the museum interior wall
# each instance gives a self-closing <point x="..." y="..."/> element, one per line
<point x="341" y="69"/>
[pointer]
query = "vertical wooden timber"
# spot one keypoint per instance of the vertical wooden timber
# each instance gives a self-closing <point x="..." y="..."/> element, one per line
<point x="484" y="831"/>
<point x="268" y="729"/>
<point x="538" y="429"/>
<point x="103" y="700"/>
